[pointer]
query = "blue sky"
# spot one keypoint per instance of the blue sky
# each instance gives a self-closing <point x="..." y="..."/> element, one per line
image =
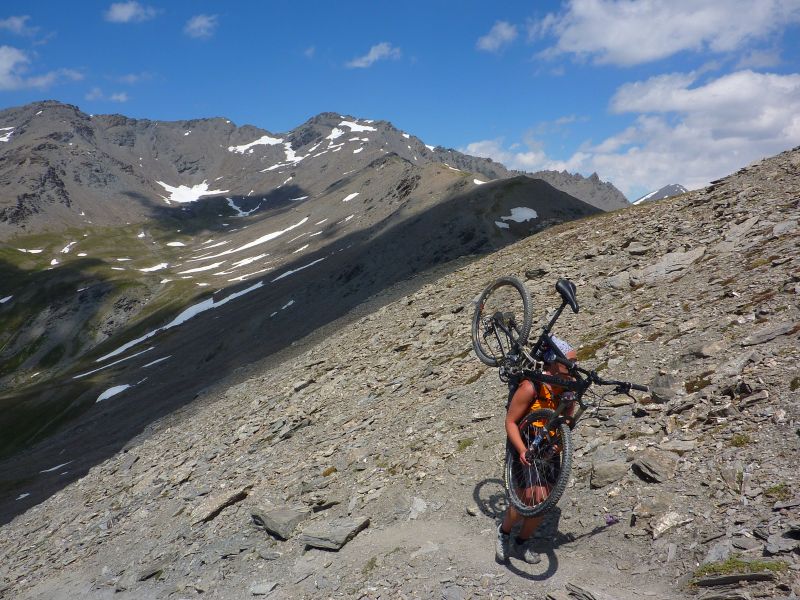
<point x="644" y="93"/>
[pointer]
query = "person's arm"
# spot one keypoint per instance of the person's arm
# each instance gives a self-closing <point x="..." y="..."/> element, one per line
<point x="518" y="407"/>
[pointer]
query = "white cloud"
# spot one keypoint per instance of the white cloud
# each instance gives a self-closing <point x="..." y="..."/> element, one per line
<point x="531" y="159"/>
<point x="94" y="94"/>
<point x="18" y="25"/>
<point x="14" y="65"/>
<point x="129" y="12"/>
<point x="378" y="52"/>
<point x="134" y="78"/>
<point x="201" y="26"/>
<point x="682" y="134"/>
<point x="628" y="33"/>
<point x="501" y="34"/>
<point x="309" y="52"/>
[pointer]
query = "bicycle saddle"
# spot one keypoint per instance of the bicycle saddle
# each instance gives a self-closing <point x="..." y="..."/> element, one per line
<point x="567" y="290"/>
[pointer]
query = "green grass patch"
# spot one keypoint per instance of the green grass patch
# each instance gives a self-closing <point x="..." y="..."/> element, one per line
<point x="736" y="564"/>
<point x="623" y="324"/>
<point x="588" y="351"/>
<point x="740" y="440"/>
<point x="779" y="491"/>
<point x="464" y="444"/>
<point x="369" y="566"/>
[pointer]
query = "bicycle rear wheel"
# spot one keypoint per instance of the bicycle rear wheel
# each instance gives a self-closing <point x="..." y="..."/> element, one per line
<point x="507" y="303"/>
<point x="533" y="490"/>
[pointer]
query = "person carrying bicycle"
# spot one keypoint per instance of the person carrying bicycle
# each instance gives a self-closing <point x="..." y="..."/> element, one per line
<point x="524" y="398"/>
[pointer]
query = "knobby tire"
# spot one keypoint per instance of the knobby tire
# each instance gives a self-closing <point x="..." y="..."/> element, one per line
<point x="478" y="317"/>
<point x="514" y="469"/>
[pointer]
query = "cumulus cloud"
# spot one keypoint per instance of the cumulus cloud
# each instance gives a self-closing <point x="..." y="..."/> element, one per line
<point x="14" y="65"/>
<point x="119" y="97"/>
<point x="201" y="26"/>
<point x="381" y="51"/>
<point x="18" y="25"/>
<point x="682" y="132"/>
<point x="626" y="33"/>
<point x="501" y="34"/>
<point x="309" y="52"/>
<point x="129" y="12"/>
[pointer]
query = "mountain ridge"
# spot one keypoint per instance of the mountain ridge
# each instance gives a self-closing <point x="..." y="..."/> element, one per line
<point x="97" y="161"/>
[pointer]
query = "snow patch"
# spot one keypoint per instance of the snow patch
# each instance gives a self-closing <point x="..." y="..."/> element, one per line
<point x="198" y="269"/>
<point x="405" y="135"/>
<point x="357" y="150"/>
<point x="520" y="214"/>
<point x="350" y="197"/>
<point x="36" y="251"/>
<point x="6" y="136"/>
<point x="68" y="247"/>
<point x="6" y="299"/>
<point x="478" y="182"/>
<point x="300" y="249"/>
<point x="112" y="392"/>
<point x="265" y="140"/>
<point x="157" y="267"/>
<point x="431" y="148"/>
<point x="183" y="194"/>
<point x="141" y="234"/>
<point x="56" y="468"/>
<point x="239" y="211"/>
<point x="155" y="362"/>
<point x="293" y="271"/>
<point x="175" y="244"/>
<point x="502" y="225"/>
<point x="355" y="127"/>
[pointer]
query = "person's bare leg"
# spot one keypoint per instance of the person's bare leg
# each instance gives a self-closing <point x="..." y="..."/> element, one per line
<point x="510" y="519"/>
<point x="529" y="526"/>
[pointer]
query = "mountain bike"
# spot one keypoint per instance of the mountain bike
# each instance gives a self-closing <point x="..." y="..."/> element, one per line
<point x="501" y="325"/>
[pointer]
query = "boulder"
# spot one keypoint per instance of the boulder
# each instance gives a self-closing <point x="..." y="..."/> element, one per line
<point x="654" y="466"/>
<point x="605" y="473"/>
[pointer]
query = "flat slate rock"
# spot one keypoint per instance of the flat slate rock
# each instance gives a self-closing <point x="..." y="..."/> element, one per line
<point x="280" y="522"/>
<point x="333" y="534"/>
<point x="605" y="473"/>
<point x="214" y="504"/>
<point x="733" y="578"/>
<point x="769" y="333"/>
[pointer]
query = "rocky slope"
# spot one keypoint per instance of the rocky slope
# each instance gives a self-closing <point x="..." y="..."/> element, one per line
<point x="386" y="436"/>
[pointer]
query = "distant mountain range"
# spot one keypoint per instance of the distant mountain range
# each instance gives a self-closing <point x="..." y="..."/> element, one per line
<point x="673" y="189"/>
<point x="60" y="167"/>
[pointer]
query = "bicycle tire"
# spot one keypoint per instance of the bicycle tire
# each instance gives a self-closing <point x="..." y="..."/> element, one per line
<point x="556" y="479"/>
<point x="498" y="288"/>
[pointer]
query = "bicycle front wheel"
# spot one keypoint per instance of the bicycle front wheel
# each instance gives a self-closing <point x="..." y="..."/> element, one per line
<point x="536" y="488"/>
<point x="505" y="303"/>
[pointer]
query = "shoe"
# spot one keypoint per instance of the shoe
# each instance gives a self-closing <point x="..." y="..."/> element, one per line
<point x="527" y="553"/>
<point x="502" y="545"/>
